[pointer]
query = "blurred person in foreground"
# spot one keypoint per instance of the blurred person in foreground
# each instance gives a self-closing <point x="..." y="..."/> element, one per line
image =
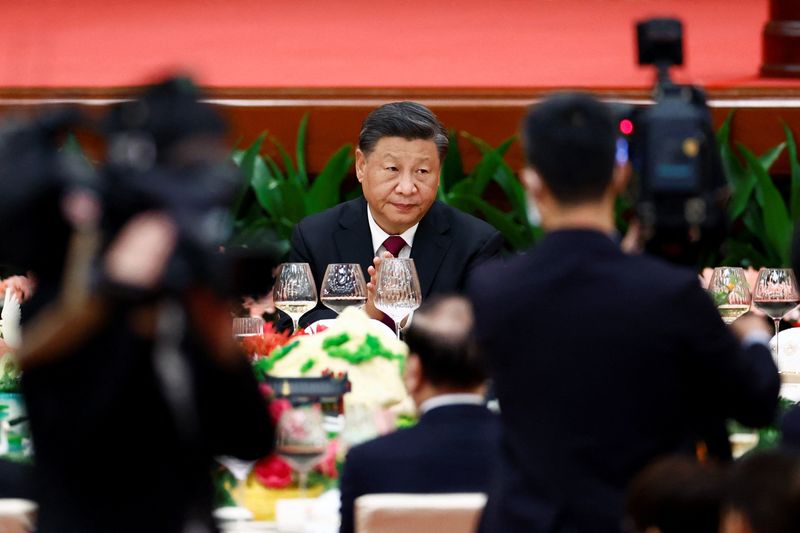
<point x="763" y="494"/>
<point x="650" y="370"/>
<point x="676" y="494"/>
<point x="399" y="157"/>
<point x="453" y="447"/>
<point x="131" y="378"/>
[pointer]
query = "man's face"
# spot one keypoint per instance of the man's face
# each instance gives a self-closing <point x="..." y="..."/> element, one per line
<point x="399" y="179"/>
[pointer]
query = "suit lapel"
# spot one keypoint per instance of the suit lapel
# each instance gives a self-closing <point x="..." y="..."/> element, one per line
<point x="430" y="246"/>
<point x="353" y="238"/>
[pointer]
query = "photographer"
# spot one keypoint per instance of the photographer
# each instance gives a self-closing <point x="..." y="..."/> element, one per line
<point x="131" y="378"/>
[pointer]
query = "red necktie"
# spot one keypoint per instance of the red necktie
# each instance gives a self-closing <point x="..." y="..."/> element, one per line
<point x="393" y="245"/>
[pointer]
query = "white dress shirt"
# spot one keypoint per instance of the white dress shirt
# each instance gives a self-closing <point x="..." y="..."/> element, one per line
<point x="450" y="399"/>
<point x="378" y="236"/>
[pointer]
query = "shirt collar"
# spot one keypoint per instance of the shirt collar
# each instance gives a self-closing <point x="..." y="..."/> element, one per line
<point x="378" y="235"/>
<point x="450" y="399"/>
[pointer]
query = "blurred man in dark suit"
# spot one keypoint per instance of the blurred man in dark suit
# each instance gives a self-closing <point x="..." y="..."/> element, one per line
<point x="601" y="361"/>
<point x="453" y="447"/>
<point x="400" y="152"/>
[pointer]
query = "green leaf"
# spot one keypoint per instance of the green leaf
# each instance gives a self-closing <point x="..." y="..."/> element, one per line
<point x="742" y="182"/>
<point x="744" y="254"/>
<point x="300" y="151"/>
<point x="293" y="197"/>
<point x="485" y="147"/>
<point x="274" y="168"/>
<point x="452" y="170"/>
<point x="777" y="224"/>
<point x="516" y="235"/>
<point x="794" y="165"/>
<point x="288" y="164"/>
<point x="266" y="188"/>
<point x="770" y="156"/>
<point x="325" y="191"/>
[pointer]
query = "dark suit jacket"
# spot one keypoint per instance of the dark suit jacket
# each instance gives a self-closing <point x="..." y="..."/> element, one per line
<point x="452" y="449"/>
<point x="447" y="246"/>
<point x="601" y="362"/>
<point x="110" y="454"/>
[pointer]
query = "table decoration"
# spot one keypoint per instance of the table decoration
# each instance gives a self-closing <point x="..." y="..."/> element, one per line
<point x="354" y="349"/>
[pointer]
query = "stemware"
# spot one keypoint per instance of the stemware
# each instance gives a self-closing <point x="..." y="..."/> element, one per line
<point x="397" y="291"/>
<point x="343" y="286"/>
<point x="302" y="440"/>
<point x="247" y="326"/>
<point x="776" y="293"/>
<point x="294" y="291"/>
<point x="240" y="470"/>
<point x="730" y="291"/>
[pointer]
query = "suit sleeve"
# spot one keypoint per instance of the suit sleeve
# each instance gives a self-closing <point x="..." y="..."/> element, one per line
<point x="349" y="489"/>
<point x="742" y="383"/>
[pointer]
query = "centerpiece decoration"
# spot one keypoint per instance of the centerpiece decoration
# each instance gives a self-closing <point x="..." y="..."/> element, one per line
<point x="352" y="348"/>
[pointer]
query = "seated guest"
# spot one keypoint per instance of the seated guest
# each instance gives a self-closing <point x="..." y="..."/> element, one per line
<point x="453" y="446"/>
<point x="400" y="152"/>
<point x="676" y="494"/>
<point x="763" y="495"/>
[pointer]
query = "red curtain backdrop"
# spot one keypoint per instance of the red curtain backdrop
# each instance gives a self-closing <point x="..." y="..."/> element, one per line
<point x="370" y="43"/>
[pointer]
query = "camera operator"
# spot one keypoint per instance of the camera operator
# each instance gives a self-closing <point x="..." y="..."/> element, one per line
<point x="131" y="379"/>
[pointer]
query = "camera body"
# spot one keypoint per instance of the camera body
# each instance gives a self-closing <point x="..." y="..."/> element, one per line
<point x="681" y="186"/>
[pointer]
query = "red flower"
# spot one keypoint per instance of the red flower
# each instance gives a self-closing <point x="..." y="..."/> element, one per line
<point x="327" y="467"/>
<point x="273" y="472"/>
<point x="277" y="407"/>
<point x="266" y="391"/>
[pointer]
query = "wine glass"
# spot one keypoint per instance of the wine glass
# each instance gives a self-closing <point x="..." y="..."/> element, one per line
<point x="302" y="440"/>
<point x="240" y="469"/>
<point x="397" y="291"/>
<point x="343" y="286"/>
<point x="730" y="291"/>
<point x="247" y="326"/>
<point x="776" y="293"/>
<point x="294" y="291"/>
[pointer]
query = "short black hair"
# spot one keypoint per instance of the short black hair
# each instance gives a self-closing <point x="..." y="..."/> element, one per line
<point x="441" y="336"/>
<point x="408" y="120"/>
<point x="570" y="140"/>
<point x="765" y="488"/>
<point x="676" y="494"/>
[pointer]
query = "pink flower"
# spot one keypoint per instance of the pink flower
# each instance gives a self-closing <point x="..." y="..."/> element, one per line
<point x="266" y="391"/>
<point x="273" y="472"/>
<point x="327" y="467"/>
<point x="277" y="407"/>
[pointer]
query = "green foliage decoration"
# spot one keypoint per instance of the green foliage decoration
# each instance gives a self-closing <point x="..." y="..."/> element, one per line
<point x="762" y="221"/>
<point x="468" y="191"/>
<point x="274" y="198"/>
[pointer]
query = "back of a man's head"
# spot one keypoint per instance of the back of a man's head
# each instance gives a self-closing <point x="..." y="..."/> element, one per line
<point x="570" y="140"/>
<point x="408" y="120"/>
<point x="764" y="493"/>
<point x="676" y="494"/>
<point x="441" y="336"/>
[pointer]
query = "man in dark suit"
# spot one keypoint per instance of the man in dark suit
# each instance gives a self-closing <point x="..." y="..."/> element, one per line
<point x="601" y="361"/>
<point x="453" y="447"/>
<point x="400" y="151"/>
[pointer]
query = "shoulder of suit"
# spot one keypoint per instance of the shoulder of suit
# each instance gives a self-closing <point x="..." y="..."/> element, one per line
<point x="379" y="446"/>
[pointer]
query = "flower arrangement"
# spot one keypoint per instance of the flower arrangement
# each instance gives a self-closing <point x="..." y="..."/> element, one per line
<point x="354" y="346"/>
